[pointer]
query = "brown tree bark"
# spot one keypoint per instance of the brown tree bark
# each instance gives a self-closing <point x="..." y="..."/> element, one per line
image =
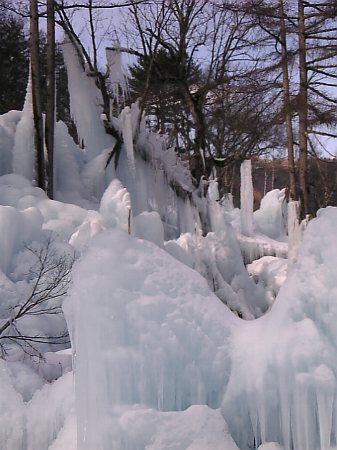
<point x="50" y="111"/>
<point x="36" y="94"/>
<point x="287" y="104"/>
<point x="303" y="113"/>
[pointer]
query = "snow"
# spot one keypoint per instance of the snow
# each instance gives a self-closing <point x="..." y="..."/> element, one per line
<point x="196" y="428"/>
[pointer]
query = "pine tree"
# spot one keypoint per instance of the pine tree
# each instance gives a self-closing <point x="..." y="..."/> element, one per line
<point x="14" y="61"/>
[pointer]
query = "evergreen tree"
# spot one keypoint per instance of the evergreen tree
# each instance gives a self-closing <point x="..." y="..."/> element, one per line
<point x="14" y="61"/>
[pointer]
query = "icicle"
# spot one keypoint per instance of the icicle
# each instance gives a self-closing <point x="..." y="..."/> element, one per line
<point x="247" y="198"/>
<point x="128" y="137"/>
<point x="23" y="150"/>
<point x="117" y="79"/>
<point x="294" y="230"/>
<point x="85" y="105"/>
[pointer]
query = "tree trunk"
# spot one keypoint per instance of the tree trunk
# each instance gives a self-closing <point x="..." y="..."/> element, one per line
<point x="287" y="106"/>
<point x="36" y="94"/>
<point x="303" y="113"/>
<point x="50" y="112"/>
<point x="195" y="106"/>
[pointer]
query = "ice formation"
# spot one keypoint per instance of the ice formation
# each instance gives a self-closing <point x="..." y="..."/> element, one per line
<point x="149" y="226"/>
<point x="23" y="151"/>
<point x="271" y="218"/>
<point x="85" y="105"/>
<point x="218" y="259"/>
<point x="270" y="272"/>
<point x="117" y="80"/>
<point x="115" y="207"/>
<point x="246" y="198"/>
<point x="295" y="229"/>
<point x="283" y="378"/>
<point x="160" y="362"/>
<point x="157" y="341"/>
<point x="128" y="136"/>
<point x="257" y="246"/>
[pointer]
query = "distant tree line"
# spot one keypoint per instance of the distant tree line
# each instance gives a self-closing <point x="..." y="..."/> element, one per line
<point x="222" y="80"/>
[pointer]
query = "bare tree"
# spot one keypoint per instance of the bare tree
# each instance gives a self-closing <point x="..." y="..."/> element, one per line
<point x="287" y="103"/>
<point x="36" y="91"/>
<point x="208" y="54"/>
<point x="50" y="276"/>
<point x="303" y="111"/>
<point x="50" y="111"/>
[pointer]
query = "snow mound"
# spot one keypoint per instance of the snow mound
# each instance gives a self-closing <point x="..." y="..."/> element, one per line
<point x="196" y="428"/>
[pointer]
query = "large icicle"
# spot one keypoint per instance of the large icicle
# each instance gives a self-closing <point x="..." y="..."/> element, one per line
<point x="117" y="80"/>
<point x="23" y="151"/>
<point x="85" y="105"/>
<point x="294" y="230"/>
<point x="128" y="137"/>
<point x="247" y="198"/>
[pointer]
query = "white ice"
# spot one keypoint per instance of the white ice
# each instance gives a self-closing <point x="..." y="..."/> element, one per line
<point x="160" y="362"/>
<point x="246" y="198"/>
<point x="151" y="338"/>
<point x="85" y="105"/>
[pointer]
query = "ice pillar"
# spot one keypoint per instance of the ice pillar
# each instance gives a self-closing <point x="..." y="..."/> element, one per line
<point x="247" y="198"/>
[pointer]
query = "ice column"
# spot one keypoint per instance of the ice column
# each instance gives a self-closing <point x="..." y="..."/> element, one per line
<point x="295" y="230"/>
<point x="247" y="198"/>
<point x="23" y="151"/>
<point x="128" y="137"/>
<point x="117" y="79"/>
<point x="85" y="105"/>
